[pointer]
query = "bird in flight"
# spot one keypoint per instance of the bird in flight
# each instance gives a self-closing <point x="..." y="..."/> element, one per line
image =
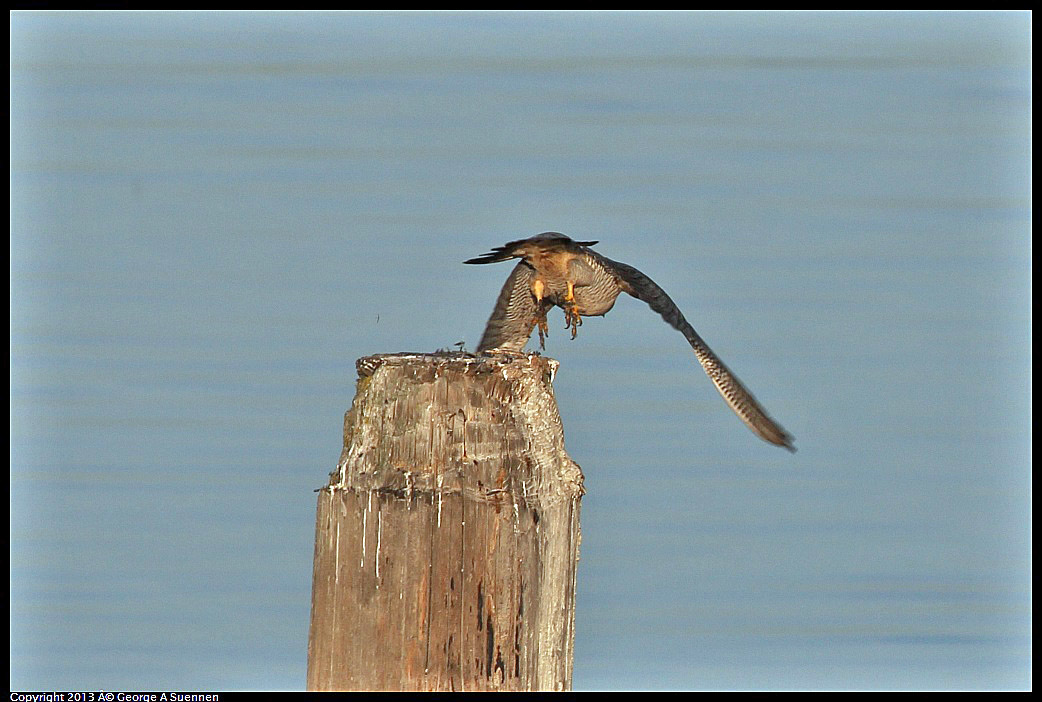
<point x="555" y="270"/>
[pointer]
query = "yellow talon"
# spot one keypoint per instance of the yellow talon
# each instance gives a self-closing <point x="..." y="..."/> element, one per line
<point x="540" y="319"/>
<point x="544" y="330"/>
<point x="572" y="319"/>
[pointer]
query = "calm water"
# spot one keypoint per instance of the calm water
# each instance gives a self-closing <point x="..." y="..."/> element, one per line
<point x="214" y="215"/>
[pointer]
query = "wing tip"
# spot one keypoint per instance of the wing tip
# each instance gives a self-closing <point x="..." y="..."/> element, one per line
<point x="494" y="256"/>
<point x="777" y="436"/>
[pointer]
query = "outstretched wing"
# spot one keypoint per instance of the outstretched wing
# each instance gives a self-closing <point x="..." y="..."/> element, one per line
<point x="515" y="313"/>
<point x="737" y="396"/>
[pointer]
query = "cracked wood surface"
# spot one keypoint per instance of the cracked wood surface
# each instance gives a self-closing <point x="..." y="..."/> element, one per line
<point x="447" y="538"/>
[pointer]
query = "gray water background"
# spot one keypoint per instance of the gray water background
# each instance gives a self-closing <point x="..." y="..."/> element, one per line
<point x="214" y="215"/>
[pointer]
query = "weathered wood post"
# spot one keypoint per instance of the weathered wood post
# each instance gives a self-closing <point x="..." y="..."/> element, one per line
<point x="447" y="540"/>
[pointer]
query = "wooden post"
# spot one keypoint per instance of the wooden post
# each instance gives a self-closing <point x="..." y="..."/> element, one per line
<point x="447" y="540"/>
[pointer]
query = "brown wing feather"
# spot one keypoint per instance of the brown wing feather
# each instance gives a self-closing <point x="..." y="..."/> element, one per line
<point x="515" y="313"/>
<point x="523" y="248"/>
<point x="737" y="396"/>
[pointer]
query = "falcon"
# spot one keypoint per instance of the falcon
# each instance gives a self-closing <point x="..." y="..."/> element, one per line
<point x="556" y="271"/>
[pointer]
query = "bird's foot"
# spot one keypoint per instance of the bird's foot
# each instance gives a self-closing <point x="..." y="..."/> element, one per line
<point x="544" y="330"/>
<point x="572" y="319"/>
